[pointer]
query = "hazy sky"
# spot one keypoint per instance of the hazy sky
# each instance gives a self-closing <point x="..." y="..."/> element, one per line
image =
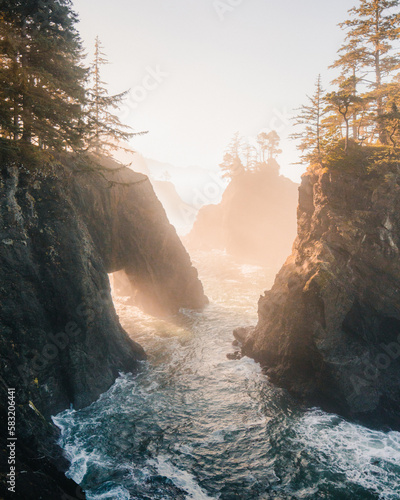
<point x="200" y="70"/>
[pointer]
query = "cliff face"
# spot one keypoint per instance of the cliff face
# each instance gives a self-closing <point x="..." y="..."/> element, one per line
<point x="255" y="221"/>
<point x="131" y="232"/>
<point x="172" y="203"/>
<point x="329" y="329"/>
<point x="60" y="338"/>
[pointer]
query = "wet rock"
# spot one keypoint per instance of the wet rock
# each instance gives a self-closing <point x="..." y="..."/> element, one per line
<point x="234" y="355"/>
<point x="241" y="334"/>
<point x="329" y="329"/>
<point x="61" y="341"/>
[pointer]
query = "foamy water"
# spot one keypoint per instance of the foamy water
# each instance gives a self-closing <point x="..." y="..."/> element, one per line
<point x="194" y="425"/>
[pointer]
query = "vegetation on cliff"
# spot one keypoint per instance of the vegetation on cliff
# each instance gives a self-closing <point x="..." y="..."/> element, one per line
<point x="328" y="329"/>
<point x="364" y="105"/>
<point x="49" y="101"/>
<point x="61" y="233"/>
<point x="255" y="221"/>
<point x="251" y="155"/>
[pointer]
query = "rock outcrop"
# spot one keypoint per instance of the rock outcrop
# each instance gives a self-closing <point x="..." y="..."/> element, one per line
<point x="131" y="232"/>
<point x="62" y="345"/>
<point x="329" y="329"/>
<point x="255" y="221"/>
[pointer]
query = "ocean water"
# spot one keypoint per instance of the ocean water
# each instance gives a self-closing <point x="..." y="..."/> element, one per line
<point x="194" y="425"/>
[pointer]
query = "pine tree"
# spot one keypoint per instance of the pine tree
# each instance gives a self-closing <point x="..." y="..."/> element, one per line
<point x="262" y="141"/>
<point x="41" y="79"/>
<point x="273" y="141"/>
<point x="232" y="164"/>
<point x="343" y="103"/>
<point x="350" y="61"/>
<point x="310" y="118"/>
<point x="250" y="157"/>
<point x="105" y="130"/>
<point x="391" y="123"/>
<point x="268" y="145"/>
<point x="370" y="33"/>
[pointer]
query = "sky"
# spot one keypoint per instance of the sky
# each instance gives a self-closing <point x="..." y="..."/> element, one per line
<point x="201" y="70"/>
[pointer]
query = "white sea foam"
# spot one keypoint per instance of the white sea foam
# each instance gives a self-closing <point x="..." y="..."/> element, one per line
<point x="248" y="269"/>
<point x="367" y="457"/>
<point x="183" y="448"/>
<point x="217" y="436"/>
<point x="117" y="493"/>
<point x="244" y="366"/>
<point x="189" y="402"/>
<point x="180" y="478"/>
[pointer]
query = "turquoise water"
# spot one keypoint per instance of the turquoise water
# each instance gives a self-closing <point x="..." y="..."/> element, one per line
<point x="194" y="425"/>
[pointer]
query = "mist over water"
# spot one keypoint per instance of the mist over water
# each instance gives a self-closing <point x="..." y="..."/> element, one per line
<point x="194" y="425"/>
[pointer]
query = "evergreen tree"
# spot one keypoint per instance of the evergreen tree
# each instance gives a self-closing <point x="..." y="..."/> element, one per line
<point x="370" y="32"/>
<point x="262" y="141"/>
<point x="268" y="145"/>
<point x="351" y="58"/>
<point x="41" y="78"/>
<point x="250" y="157"/>
<point x="310" y="118"/>
<point x="232" y="164"/>
<point x="340" y="102"/>
<point x="273" y="141"/>
<point x="391" y="123"/>
<point x="104" y="128"/>
<point x="344" y="104"/>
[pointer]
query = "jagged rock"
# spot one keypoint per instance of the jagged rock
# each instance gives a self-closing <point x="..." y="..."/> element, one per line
<point x="61" y="232"/>
<point x="329" y="329"/>
<point x="234" y="356"/>
<point x="131" y="232"/>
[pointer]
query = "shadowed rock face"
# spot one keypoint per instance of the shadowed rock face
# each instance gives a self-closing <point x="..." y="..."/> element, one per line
<point x="329" y="329"/>
<point x="131" y="232"/>
<point x="255" y="221"/>
<point x="60" y="338"/>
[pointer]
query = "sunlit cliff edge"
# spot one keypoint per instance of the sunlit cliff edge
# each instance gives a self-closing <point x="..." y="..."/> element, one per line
<point x="62" y="229"/>
<point x="329" y="329"/>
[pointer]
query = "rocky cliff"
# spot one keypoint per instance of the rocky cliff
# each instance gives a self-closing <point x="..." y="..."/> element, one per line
<point x="61" y="231"/>
<point x="329" y="329"/>
<point x="255" y="221"/>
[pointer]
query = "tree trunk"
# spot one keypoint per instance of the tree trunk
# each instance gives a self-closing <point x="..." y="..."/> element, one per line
<point x="25" y="115"/>
<point x="378" y="83"/>
<point x="355" y="127"/>
<point x="15" y="102"/>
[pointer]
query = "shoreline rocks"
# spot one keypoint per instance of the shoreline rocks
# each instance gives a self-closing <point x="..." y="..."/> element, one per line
<point x="329" y="329"/>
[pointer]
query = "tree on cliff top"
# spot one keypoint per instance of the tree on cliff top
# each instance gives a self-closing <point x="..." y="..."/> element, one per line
<point x="256" y="155"/>
<point x="104" y="129"/>
<point x="232" y="164"/>
<point x="41" y="77"/>
<point x="367" y="98"/>
<point x="310" y="118"/>
<point x="372" y="28"/>
<point x="268" y="145"/>
<point x="342" y="103"/>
